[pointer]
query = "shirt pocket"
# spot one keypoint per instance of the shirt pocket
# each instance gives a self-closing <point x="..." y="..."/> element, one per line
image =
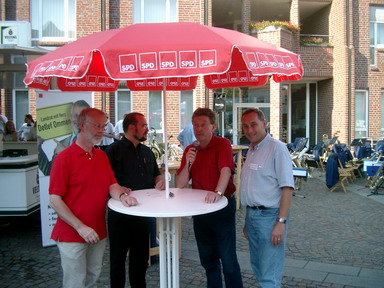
<point x="261" y="170"/>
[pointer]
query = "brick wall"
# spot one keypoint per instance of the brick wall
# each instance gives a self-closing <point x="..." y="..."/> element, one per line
<point x="317" y="61"/>
<point x="88" y="19"/>
<point x="336" y="103"/>
<point x="368" y="77"/>
<point x="119" y="14"/>
<point x="325" y="89"/>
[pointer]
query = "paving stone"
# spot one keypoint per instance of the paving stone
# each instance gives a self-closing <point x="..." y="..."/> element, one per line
<point x="330" y="237"/>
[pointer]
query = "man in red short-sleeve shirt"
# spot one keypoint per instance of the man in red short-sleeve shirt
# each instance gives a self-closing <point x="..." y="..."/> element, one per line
<point x="211" y="167"/>
<point x="81" y="180"/>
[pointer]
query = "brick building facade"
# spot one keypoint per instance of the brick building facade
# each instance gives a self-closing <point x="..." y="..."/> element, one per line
<point x="323" y="102"/>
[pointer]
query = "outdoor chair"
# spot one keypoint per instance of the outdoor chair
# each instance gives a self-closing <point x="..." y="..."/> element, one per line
<point x="346" y="160"/>
<point x="316" y="159"/>
<point x="343" y="161"/>
<point x="302" y="145"/>
<point x="363" y="152"/>
<point x="338" y="148"/>
<point x="292" y="146"/>
<point x="334" y="175"/>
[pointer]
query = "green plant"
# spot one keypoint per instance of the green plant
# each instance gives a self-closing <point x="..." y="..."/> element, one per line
<point x="312" y="40"/>
<point x="285" y="24"/>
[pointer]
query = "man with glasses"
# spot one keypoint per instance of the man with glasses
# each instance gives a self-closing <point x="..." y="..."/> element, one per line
<point x="135" y="167"/>
<point x="81" y="180"/>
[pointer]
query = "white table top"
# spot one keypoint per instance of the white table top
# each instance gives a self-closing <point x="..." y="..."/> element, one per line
<point x="153" y="203"/>
<point x="19" y="159"/>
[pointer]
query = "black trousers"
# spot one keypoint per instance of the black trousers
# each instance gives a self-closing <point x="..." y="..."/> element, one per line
<point x="128" y="233"/>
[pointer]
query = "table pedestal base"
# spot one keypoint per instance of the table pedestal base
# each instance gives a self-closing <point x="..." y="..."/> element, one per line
<point x="169" y="252"/>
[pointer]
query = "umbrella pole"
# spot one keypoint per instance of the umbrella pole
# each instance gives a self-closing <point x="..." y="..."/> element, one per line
<point x="166" y="174"/>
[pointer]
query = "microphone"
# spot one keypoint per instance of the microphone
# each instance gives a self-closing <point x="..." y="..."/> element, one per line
<point x="196" y="144"/>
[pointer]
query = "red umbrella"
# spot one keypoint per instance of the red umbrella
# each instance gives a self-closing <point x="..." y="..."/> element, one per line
<point x="149" y="53"/>
<point x="166" y="56"/>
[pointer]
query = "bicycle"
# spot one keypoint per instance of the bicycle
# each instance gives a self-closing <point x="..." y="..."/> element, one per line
<point x="158" y="148"/>
<point x="153" y="144"/>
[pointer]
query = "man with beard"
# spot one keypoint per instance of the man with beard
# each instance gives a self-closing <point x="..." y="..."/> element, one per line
<point x="135" y="167"/>
<point x="79" y="196"/>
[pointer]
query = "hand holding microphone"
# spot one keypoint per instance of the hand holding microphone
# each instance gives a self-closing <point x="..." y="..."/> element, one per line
<point x="192" y="153"/>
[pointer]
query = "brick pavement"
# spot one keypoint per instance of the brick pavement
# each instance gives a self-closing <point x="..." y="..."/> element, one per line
<point x="335" y="240"/>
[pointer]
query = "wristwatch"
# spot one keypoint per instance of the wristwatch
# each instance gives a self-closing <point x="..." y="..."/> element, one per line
<point x="219" y="193"/>
<point x="281" y="220"/>
<point x="124" y="193"/>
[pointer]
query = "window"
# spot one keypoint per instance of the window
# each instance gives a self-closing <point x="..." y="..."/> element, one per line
<point x="155" y="113"/>
<point x="186" y="108"/>
<point x="154" y="11"/>
<point x="53" y="20"/>
<point x="21" y="106"/>
<point x="382" y="112"/>
<point x="361" y="113"/>
<point x="376" y="31"/>
<point x="123" y="104"/>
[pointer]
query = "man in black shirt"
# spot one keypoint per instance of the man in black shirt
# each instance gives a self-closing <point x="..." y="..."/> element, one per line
<point x="135" y="167"/>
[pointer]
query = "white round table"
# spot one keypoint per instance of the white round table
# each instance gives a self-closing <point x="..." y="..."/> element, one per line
<point x="153" y="203"/>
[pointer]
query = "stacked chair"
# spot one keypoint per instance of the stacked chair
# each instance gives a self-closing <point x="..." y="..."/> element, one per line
<point x="341" y="167"/>
<point x="316" y="159"/>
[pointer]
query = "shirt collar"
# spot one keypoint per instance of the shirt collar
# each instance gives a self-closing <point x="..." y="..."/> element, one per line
<point x="81" y="151"/>
<point x="261" y="144"/>
<point x="129" y="143"/>
<point x="211" y="143"/>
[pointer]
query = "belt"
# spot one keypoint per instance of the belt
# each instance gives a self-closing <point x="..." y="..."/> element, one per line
<point x="258" y="207"/>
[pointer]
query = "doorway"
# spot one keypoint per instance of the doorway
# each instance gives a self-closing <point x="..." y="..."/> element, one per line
<point x="238" y="110"/>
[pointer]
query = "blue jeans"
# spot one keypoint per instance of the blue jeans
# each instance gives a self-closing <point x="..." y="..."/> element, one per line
<point x="216" y="241"/>
<point x="267" y="260"/>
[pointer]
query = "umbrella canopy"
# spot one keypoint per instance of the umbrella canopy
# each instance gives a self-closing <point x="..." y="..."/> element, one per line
<point x="163" y="56"/>
<point x="146" y="55"/>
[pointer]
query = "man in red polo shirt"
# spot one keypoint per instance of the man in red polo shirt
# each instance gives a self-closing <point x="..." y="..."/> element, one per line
<point x="211" y="167"/>
<point x="81" y="179"/>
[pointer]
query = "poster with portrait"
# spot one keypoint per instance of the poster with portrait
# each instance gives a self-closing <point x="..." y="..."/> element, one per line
<point x="56" y="115"/>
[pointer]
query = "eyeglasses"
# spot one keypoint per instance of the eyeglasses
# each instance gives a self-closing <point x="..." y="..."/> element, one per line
<point x="97" y="126"/>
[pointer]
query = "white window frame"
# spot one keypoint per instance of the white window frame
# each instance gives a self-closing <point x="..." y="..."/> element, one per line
<point x="117" y="103"/>
<point x="14" y="92"/>
<point x="366" y="109"/>
<point x="66" y="37"/>
<point x="193" y="106"/>
<point x="141" y="9"/>
<point x="375" y="45"/>
<point x="158" y="131"/>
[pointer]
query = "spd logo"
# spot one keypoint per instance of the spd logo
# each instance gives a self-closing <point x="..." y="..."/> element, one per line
<point x="207" y="58"/>
<point x="128" y="63"/>
<point x="148" y="61"/>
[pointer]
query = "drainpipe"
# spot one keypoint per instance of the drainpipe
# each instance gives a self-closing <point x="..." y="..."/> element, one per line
<point x="349" y="63"/>
<point x="206" y="23"/>
<point x="103" y="27"/>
